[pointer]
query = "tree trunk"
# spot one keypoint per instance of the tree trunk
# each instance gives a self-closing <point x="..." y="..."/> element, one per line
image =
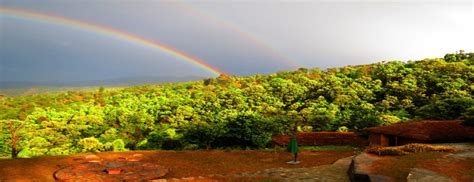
<point x="14" y="150"/>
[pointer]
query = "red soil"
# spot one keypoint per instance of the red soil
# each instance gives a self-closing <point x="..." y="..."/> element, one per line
<point x="180" y="163"/>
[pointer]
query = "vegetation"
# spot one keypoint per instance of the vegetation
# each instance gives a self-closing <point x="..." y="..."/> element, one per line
<point x="233" y="111"/>
<point x="332" y="148"/>
<point x="409" y="148"/>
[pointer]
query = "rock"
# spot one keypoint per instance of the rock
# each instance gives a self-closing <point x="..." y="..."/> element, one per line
<point x="465" y="154"/>
<point x="188" y="178"/>
<point x="459" y="146"/>
<point x="381" y="178"/>
<point x="360" y="167"/>
<point x="159" y="180"/>
<point x="91" y="157"/>
<point x="424" y="175"/>
<point x="135" y="157"/>
<point x="362" y="162"/>
<point x="344" y="161"/>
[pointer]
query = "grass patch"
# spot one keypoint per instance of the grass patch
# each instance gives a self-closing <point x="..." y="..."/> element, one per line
<point x="332" y="148"/>
<point x="320" y="148"/>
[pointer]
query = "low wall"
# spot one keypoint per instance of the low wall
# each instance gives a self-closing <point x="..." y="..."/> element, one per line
<point x="322" y="138"/>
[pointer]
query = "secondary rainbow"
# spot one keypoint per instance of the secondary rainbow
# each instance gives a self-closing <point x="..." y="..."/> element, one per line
<point x="107" y="31"/>
<point x="189" y="8"/>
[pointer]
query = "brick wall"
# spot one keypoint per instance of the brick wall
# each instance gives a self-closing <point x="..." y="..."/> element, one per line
<point x="322" y="138"/>
<point x="385" y="140"/>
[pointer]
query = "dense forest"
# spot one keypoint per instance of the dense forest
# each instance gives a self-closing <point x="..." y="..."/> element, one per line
<point x="230" y="111"/>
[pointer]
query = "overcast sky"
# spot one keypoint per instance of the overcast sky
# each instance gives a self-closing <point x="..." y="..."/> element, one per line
<point x="237" y="37"/>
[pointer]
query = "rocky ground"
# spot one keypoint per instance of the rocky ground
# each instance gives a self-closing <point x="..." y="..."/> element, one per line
<point x="244" y="166"/>
<point x="419" y="167"/>
<point x="336" y="172"/>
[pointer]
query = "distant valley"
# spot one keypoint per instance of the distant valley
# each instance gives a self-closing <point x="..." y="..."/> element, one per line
<point x="18" y="88"/>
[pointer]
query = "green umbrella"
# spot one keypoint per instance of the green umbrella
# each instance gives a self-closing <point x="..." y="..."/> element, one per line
<point x="293" y="147"/>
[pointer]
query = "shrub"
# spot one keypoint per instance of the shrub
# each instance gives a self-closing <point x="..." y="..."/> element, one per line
<point x="156" y="138"/>
<point x="38" y="146"/>
<point x="386" y="151"/>
<point x="191" y="147"/>
<point x="469" y="117"/>
<point x="245" y="130"/>
<point x="248" y="129"/>
<point x="469" y="122"/>
<point x="91" y="144"/>
<point x="107" y="146"/>
<point x="171" y="144"/>
<point x="307" y="128"/>
<point x="204" y="135"/>
<point x="118" y="145"/>
<point x="409" y="148"/>
<point x="66" y="149"/>
<point x="25" y="153"/>
<point x="417" y="147"/>
<point x="388" y="119"/>
<point x="342" y="129"/>
<point x="109" y="135"/>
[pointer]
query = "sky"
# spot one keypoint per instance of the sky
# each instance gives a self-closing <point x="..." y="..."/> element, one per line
<point x="236" y="37"/>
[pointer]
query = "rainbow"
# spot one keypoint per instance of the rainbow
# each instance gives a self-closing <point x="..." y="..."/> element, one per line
<point x="107" y="31"/>
<point x="188" y="8"/>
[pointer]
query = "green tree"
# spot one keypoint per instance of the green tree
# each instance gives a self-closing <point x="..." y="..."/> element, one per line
<point x="15" y="134"/>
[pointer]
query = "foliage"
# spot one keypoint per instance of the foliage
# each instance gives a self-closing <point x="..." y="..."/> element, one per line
<point x="417" y="147"/>
<point x="409" y="148"/>
<point x="118" y="145"/>
<point x="386" y="151"/>
<point x="230" y="111"/>
<point x="342" y="129"/>
<point x="14" y="136"/>
<point x="91" y="144"/>
<point x="468" y="117"/>
<point x="332" y="148"/>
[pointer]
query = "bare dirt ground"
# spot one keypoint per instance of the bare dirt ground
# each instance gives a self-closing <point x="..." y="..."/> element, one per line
<point x="180" y="163"/>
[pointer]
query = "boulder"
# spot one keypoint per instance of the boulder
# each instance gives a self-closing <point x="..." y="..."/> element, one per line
<point x="424" y="175"/>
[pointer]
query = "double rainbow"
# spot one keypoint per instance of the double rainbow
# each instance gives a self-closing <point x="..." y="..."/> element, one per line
<point x="107" y="31"/>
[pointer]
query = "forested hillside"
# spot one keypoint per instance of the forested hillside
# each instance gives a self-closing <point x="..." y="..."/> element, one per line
<point x="233" y="111"/>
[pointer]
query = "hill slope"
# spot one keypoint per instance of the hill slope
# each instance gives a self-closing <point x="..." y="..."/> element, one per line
<point x="239" y="111"/>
